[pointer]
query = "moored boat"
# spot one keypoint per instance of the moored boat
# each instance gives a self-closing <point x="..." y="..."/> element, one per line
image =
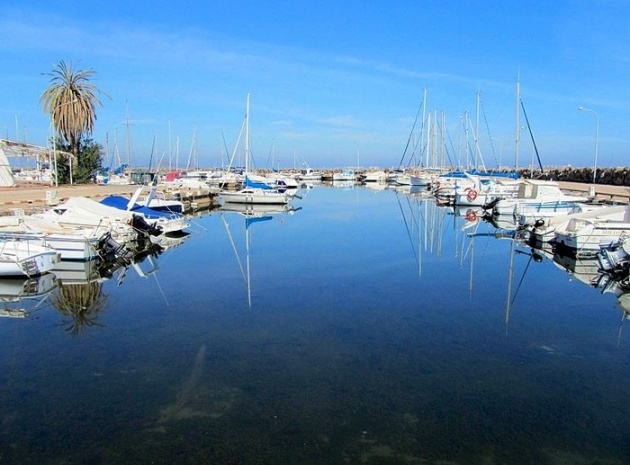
<point x="26" y="257"/>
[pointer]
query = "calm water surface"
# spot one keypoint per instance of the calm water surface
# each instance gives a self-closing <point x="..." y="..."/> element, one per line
<point x="366" y="327"/>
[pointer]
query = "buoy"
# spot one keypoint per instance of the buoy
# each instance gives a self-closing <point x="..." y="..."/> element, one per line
<point x="471" y="215"/>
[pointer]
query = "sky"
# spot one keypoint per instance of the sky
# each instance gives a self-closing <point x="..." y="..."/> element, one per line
<point x="332" y="83"/>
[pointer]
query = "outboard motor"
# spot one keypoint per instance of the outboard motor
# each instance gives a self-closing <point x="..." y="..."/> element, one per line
<point x="112" y="250"/>
<point x="139" y="224"/>
<point x="490" y="205"/>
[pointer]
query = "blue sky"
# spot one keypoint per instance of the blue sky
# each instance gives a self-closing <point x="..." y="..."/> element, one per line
<point x="332" y="83"/>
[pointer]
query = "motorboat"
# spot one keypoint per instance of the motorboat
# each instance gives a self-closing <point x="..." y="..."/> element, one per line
<point x="585" y="235"/>
<point x="81" y="212"/>
<point x="72" y="242"/>
<point x="374" y="176"/>
<point x="483" y="191"/>
<point x="542" y="227"/>
<point x="537" y="194"/>
<point x="347" y="174"/>
<point x="310" y="174"/>
<point x="26" y="256"/>
<point x="166" y="222"/>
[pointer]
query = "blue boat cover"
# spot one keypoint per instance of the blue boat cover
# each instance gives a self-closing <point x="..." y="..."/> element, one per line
<point x="120" y="202"/>
<point x="254" y="184"/>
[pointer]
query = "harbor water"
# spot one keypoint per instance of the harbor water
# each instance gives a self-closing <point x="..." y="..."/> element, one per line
<point x="359" y="326"/>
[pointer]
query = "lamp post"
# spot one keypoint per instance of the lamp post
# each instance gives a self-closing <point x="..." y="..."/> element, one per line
<point x="596" y="139"/>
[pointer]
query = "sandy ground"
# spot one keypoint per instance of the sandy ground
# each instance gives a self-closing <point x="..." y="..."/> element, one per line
<point x="33" y="196"/>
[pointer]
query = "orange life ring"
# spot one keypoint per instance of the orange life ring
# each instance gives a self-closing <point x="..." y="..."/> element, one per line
<point x="471" y="215"/>
<point x="471" y="195"/>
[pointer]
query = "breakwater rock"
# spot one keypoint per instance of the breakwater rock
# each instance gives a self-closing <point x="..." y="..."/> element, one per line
<point x="619" y="176"/>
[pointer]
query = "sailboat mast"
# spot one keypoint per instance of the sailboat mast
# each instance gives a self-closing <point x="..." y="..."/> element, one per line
<point x="247" y="135"/>
<point x="477" y="131"/>
<point x="424" y="122"/>
<point x="128" y="134"/>
<point x="517" y="128"/>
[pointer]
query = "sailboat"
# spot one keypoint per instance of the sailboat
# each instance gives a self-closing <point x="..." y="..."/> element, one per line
<point x="253" y="192"/>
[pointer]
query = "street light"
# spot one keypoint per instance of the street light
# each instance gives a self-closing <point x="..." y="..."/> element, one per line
<point x="596" y="139"/>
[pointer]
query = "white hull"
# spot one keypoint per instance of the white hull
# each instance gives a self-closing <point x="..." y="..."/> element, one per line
<point x="585" y="237"/>
<point x="345" y="175"/>
<point x="420" y="181"/>
<point x="72" y="243"/>
<point x="26" y="257"/>
<point x="255" y="196"/>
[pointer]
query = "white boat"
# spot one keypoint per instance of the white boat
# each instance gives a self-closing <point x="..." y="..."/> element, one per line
<point x="156" y="200"/>
<point x="375" y="176"/>
<point x="615" y="257"/>
<point x="542" y="227"/>
<point x="256" y="210"/>
<point x="585" y="236"/>
<point x="486" y="190"/>
<point x="81" y="212"/>
<point x="448" y="185"/>
<point x="255" y="195"/>
<point x="283" y="181"/>
<point x="309" y="174"/>
<point x="543" y="195"/>
<point x="72" y="243"/>
<point x="347" y="174"/>
<point x="158" y="221"/>
<point x="26" y="257"/>
<point x="421" y="179"/>
<point x="255" y="190"/>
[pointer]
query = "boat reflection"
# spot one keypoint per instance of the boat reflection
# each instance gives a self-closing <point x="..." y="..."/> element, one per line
<point x="22" y="296"/>
<point x="586" y="270"/>
<point x="253" y="213"/>
<point x="76" y="288"/>
<point x="254" y="210"/>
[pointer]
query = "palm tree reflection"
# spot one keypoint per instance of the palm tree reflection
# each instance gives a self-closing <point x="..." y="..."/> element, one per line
<point x="81" y="303"/>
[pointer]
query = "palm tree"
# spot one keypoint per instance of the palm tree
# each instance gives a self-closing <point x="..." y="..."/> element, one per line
<point x="71" y="100"/>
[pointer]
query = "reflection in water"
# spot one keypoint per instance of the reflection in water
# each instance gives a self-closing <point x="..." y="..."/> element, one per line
<point x="22" y="296"/>
<point x="609" y="274"/>
<point x="80" y="296"/>
<point x="358" y="362"/>
<point x="81" y="303"/>
<point x="253" y="213"/>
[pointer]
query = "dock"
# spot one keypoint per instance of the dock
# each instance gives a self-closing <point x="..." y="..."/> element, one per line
<point x="601" y="192"/>
<point x="29" y="198"/>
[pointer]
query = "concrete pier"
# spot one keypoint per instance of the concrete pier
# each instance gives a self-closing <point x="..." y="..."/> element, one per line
<point x="32" y="197"/>
<point x="602" y="192"/>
